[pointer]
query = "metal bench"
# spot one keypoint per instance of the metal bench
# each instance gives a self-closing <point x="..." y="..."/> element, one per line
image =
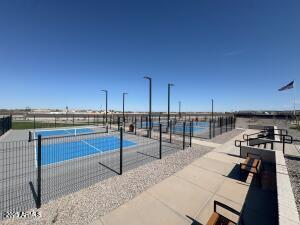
<point x="252" y="165"/>
<point x="218" y="219"/>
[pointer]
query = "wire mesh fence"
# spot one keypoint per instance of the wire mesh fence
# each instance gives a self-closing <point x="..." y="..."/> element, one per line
<point x="5" y="124"/>
<point x="47" y="167"/>
<point x="53" y="121"/>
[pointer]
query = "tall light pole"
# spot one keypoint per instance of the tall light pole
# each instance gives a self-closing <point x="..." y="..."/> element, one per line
<point x="150" y="102"/>
<point x="179" y="110"/>
<point x="124" y="106"/>
<point x="105" y="105"/>
<point x="169" y="90"/>
<point x="212" y="109"/>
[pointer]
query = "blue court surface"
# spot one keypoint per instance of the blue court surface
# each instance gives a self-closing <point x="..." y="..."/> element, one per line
<point x="63" y="132"/>
<point x="59" y="152"/>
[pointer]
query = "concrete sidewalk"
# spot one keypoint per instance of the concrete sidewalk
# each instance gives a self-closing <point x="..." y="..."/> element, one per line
<point x="188" y="195"/>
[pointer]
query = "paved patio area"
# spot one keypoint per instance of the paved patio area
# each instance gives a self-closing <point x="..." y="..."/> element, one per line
<point x="187" y="196"/>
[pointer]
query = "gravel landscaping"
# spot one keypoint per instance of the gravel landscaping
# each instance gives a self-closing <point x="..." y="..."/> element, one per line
<point x="86" y="205"/>
<point x="293" y="166"/>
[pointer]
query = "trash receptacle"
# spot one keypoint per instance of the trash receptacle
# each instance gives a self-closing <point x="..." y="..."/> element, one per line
<point x="131" y="128"/>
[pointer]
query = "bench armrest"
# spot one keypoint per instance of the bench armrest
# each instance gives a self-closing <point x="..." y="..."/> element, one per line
<point x="217" y="203"/>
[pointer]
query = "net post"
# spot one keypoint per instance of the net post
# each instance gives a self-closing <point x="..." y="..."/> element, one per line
<point x="160" y="140"/>
<point x="39" y="171"/>
<point x="121" y="151"/>
<point x="183" y="144"/>
<point x="191" y="132"/>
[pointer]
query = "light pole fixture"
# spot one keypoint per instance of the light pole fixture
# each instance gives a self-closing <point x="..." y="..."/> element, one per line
<point x="169" y="90"/>
<point x="105" y="105"/>
<point x="212" y="109"/>
<point x="124" y="107"/>
<point x="150" y="102"/>
<point x="179" y="110"/>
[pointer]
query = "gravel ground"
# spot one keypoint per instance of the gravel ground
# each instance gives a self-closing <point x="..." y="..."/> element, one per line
<point x="221" y="139"/>
<point x="293" y="166"/>
<point x="89" y="204"/>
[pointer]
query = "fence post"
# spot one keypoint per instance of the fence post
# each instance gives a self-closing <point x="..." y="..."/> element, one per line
<point x="39" y="172"/>
<point x="183" y="144"/>
<point x="170" y="131"/>
<point x="283" y="144"/>
<point x="221" y="125"/>
<point x="88" y="120"/>
<point x="191" y="133"/>
<point x="160" y="141"/>
<point x="103" y="121"/>
<point x="55" y="121"/>
<point x="73" y="120"/>
<point x="121" y="150"/>
<point x="210" y="129"/>
<point x="214" y="127"/>
<point x="141" y="122"/>
<point x="118" y="123"/>
<point x="226" y="123"/>
<point x="10" y="125"/>
<point x="3" y="125"/>
<point x="135" y="125"/>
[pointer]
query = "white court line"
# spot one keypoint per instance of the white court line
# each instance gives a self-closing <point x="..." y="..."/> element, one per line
<point x="92" y="146"/>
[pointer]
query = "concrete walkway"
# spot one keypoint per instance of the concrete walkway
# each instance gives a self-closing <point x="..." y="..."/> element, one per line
<point x="187" y="197"/>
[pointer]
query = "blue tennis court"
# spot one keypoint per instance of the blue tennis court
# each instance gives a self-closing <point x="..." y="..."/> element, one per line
<point x="59" y="152"/>
<point x="62" y="132"/>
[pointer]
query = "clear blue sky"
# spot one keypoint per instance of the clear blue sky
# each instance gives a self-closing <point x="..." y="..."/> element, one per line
<point x="62" y="52"/>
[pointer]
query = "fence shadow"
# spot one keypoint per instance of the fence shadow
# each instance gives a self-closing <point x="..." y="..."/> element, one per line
<point x="34" y="194"/>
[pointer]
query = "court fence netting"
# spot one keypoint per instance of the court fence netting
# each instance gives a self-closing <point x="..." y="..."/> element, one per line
<point x="40" y="169"/>
<point x="5" y="124"/>
<point x="204" y="128"/>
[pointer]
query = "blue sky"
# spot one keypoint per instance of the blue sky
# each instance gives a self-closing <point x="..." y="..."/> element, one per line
<point x="63" y="52"/>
